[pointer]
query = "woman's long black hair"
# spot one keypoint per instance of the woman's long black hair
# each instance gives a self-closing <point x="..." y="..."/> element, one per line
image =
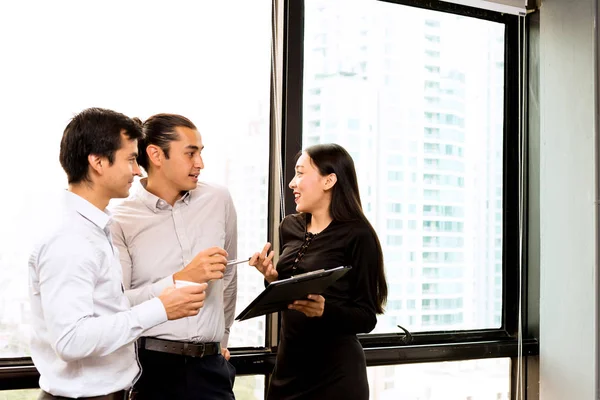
<point x="346" y="205"/>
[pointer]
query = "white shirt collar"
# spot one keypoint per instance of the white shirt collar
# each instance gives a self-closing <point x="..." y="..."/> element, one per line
<point x="89" y="211"/>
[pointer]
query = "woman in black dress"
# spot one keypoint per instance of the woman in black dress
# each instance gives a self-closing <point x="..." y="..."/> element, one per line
<point x="319" y="355"/>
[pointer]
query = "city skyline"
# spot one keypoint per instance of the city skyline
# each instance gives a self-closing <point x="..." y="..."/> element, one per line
<point x="426" y="139"/>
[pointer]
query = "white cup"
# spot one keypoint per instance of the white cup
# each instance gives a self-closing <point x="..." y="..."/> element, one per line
<point x="180" y="284"/>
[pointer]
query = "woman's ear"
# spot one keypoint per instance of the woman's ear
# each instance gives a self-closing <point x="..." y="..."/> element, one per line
<point x="330" y="181"/>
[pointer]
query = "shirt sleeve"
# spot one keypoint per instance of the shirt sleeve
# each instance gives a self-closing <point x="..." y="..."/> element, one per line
<point x="230" y="276"/>
<point x="360" y="315"/>
<point x="68" y="270"/>
<point x="141" y="294"/>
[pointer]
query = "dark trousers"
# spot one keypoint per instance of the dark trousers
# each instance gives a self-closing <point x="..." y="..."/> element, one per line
<point x="174" y="377"/>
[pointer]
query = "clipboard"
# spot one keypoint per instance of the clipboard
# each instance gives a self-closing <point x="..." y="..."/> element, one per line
<point x="278" y="294"/>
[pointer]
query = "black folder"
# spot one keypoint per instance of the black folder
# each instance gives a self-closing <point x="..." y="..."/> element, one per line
<point x="278" y="294"/>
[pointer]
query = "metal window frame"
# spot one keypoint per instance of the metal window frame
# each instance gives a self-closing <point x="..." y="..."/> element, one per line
<point x="389" y="348"/>
<point x="510" y="235"/>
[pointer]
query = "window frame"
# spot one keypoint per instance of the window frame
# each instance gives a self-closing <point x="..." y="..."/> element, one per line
<point x="393" y="347"/>
<point x="464" y="344"/>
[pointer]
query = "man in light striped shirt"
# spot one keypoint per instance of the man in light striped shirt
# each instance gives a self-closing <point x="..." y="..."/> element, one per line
<point x="170" y="222"/>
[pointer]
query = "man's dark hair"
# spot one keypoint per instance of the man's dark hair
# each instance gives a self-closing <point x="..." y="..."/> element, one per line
<point x="159" y="130"/>
<point x="93" y="131"/>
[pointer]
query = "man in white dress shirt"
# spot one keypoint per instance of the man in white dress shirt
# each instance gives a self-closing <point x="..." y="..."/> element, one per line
<point x="158" y="232"/>
<point x="84" y="328"/>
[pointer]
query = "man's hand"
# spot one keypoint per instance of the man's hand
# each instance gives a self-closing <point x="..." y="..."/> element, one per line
<point x="264" y="263"/>
<point x="313" y="307"/>
<point x="208" y="265"/>
<point x="183" y="302"/>
<point x="225" y="353"/>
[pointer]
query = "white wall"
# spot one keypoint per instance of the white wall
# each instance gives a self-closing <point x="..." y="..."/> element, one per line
<point x="567" y="181"/>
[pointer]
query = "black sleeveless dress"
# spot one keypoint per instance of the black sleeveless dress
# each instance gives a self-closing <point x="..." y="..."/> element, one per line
<point x="321" y="358"/>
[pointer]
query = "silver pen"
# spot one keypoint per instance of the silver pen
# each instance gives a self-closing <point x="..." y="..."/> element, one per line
<point x="236" y="262"/>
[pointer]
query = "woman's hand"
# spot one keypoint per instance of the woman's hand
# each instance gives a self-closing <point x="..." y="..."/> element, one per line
<point x="264" y="263"/>
<point x="313" y="307"/>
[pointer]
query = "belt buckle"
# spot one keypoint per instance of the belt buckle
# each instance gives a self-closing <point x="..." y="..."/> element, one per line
<point x="188" y="347"/>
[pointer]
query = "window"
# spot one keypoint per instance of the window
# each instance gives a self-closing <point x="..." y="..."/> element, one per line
<point x="250" y="387"/>
<point x="431" y="133"/>
<point x="444" y="205"/>
<point x="394" y="240"/>
<point x="432" y="38"/>
<point x="353" y="124"/>
<point x="432" y="53"/>
<point x="394" y="159"/>
<point x="433" y="148"/>
<point x="25" y="394"/>
<point x="314" y="125"/>
<point x="388" y="82"/>
<point x="394" y="223"/>
<point x="395" y="176"/>
<point x="442" y="109"/>
<point x="446" y="380"/>
<point x="395" y="208"/>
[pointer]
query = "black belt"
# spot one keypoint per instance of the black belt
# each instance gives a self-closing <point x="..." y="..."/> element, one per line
<point x="181" y="348"/>
<point x="120" y="395"/>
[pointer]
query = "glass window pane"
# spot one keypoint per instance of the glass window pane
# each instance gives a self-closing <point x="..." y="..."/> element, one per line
<point x="458" y="380"/>
<point x="416" y="97"/>
<point x="27" y="394"/>
<point x="145" y="59"/>
<point x="249" y="387"/>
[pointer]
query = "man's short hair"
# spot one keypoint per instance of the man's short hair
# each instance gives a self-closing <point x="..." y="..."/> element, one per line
<point x="94" y="131"/>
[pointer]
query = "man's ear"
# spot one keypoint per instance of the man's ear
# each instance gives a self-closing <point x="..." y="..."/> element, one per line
<point x="330" y="181"/>
<point x="155" y="154"/>
<point x="97" y="163"/>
